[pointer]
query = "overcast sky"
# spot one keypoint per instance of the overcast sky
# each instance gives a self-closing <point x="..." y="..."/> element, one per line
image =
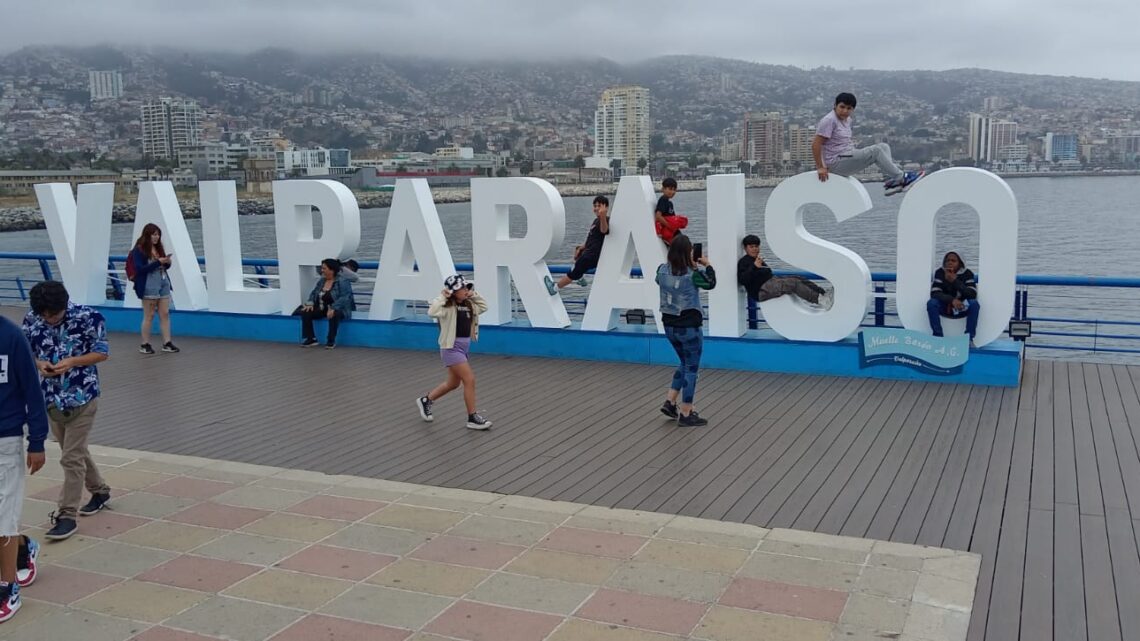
<point x="1095" y="38"/>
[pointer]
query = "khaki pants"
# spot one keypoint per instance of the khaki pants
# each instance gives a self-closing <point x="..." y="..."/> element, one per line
<point x="72" y="428"/>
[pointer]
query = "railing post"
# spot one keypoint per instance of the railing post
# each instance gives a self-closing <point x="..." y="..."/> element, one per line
<point x="880" y="305"/>
<point x="260" y="271"/>
<point x="116" y="286"/>
<point x="20" y="287"/>
<point x="46" y="269"/>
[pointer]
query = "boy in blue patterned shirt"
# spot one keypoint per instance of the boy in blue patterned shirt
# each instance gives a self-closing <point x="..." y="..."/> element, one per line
<point x="67" y="341"/>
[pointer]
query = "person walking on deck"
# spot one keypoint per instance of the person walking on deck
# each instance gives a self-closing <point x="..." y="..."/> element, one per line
<point x="457" y="310"/>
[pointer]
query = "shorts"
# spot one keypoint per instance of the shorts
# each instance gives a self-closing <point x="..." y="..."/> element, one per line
<point x="457" y="354"/>
<point x="585" y="262"/>
<point x="11" y="484"/>
<point x="152" y="292"/>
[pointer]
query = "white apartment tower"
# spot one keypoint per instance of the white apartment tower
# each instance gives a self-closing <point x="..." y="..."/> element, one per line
<point x="105" y="85"/>
<point x="170" y="125"/>
<point x="989" y="136"/>
<point x="621" y="125"/>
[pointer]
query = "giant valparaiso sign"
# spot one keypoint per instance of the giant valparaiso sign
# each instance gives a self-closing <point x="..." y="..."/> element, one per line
<point x="415" y="256"/>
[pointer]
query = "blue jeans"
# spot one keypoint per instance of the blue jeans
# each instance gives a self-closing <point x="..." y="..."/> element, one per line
<point x="934" y="309"/>
<point x="687" y="342"/>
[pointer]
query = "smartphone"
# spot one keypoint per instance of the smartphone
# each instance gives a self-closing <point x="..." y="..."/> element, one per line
<point x="698" y="249"/>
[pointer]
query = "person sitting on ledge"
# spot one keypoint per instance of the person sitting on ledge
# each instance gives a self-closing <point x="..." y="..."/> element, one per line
<point x="953" y="294"/>
<point x="754" y="275"/>
<point x="586" y="255"/>
<point x="331" y="298"/>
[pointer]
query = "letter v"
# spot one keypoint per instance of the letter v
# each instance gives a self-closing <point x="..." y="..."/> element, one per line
<point x="80" y="234"/>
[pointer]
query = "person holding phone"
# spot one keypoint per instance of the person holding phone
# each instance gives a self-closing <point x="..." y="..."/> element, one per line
<point x="67" y="342"/>
<point x="457" y="310"/>
<point x="680" y="280"/>
<point x="152" y="286"/>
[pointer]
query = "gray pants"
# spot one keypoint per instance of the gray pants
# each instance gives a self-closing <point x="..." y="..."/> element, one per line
<point x="859" y="159"/>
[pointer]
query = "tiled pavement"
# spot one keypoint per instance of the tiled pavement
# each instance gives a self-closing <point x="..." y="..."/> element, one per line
<point x="196" y="550"/>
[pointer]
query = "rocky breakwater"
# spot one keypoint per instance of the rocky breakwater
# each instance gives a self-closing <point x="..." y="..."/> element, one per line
<point x="21" y="218"/>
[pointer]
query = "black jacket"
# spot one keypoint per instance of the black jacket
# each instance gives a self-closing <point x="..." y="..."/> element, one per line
<point x="962" y="287"/>
<point x="751" y="277"/>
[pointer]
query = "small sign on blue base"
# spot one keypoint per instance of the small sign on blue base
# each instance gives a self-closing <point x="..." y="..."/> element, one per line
<point x="916" y="350"/>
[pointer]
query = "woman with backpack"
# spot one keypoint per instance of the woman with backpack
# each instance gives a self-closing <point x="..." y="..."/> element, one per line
<point x="146" y="269"/>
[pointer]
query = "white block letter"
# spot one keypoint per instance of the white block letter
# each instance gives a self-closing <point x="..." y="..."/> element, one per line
<point x="846" y="270"/>
<point x="726" y="231"/>
<point x="157" y="204"/>
<point x="80" y="236"/>
<point x="297" y="250"/>
<point x="414" y="238"/>
<point x="632" y="237"/>
<point x="221" y="237"/>
<point x="498" y="257"/>
<point x="996" y="266"/>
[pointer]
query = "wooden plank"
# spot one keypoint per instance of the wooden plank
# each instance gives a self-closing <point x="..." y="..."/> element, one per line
<point x="1108" y="465"/>
<point x="1100" y="586"/>
<point x="1069" y="622"/>
<point x="1124" y="417"/>
<point x="1064" y="456"/>
<point x="1037" y="591"/>
<point x="1125" y="556"/>
<point x="1089" y="497"/>
<point x="1004" y="620"/>
<point x="1041" y="481"/>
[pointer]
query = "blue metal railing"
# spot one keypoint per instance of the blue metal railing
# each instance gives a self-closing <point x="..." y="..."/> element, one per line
<point x="1083" y="334"/>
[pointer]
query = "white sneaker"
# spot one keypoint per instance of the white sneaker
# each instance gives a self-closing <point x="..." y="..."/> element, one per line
<point x="477" y="422"/>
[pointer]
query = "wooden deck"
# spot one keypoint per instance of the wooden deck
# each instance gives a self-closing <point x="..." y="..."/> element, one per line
<point x="1042" y="481"/>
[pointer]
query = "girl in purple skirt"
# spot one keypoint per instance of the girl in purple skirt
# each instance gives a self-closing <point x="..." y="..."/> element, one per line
<point x="457" y="310"/>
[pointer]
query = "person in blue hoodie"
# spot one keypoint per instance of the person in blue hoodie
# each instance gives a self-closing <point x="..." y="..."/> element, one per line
<point x="21" y="403"/>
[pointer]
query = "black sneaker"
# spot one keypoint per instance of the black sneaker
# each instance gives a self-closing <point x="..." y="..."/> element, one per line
<point x="309" y="342"/>
<point x="423" y="404"/>
<point x="97" y="502"/>
<point x="145" y="348"/>
<point x="669" y="409"/>
<point x="62" y="528"/>
<point x="477" y="422"/>
<point x="330" y="345"/>
<point x="170" y="348"/>
<point x="692" y="419"/>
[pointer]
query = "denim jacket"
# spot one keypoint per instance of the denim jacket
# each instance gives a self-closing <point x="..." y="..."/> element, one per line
<point x="679" y="293"/>
<point x="341" y="291"/>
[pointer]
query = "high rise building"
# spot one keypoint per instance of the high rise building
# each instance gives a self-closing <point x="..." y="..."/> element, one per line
<point x="799" y="144"/>
<point x="170" y="125"/>
<point x="105" y="85"/>
<point x="622" y="125"/>
<point x="1002" y="134"/>
<point x="1061" y="148"/>
<point x="762" y="138"/>
<point x="989" y="136"/>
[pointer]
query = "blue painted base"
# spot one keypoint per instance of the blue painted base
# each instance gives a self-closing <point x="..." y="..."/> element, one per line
<point x="998" y="363"/>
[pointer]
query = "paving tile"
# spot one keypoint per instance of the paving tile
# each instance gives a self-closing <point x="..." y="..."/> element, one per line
<point x="660" y="580"/>
<point x="898" y="584"/>
<point x="433" y="578"/>
<point x="175" y="537"/>
<point x="160" y="633"/>
<point x="372" y="489"/>
<point x="340" y="563"/>
<point x="262" y="498"/>
<point x="74" y="624"/>
<point x="198" y="573"/>
<point x="125" y="479"/>
<point x="823" y="540"/>
<point x="530" y="593"/>
<point x="424" y="636"/>
<point x="106" y="524"/>
<point x="237" y="467"/>
<point x="490" y="528"/>
<point x="225" y="517"/>
<point x="619" y="521"/>
<point x="373" y="538"/>
<point x="153" y="465"/>
<point x="576" y="568"/>
<point x="155" y="506"/>
<point x="525" y="508"/>
<point x="479" y="622"/>
<point x="282" y="483"/>
<point x="936" y="624"/>
<point x="807" y="550"/>
<point x="44" y="493"/>
<point x="593" y="542"/>
<point x="223" y="476"/>
<point x="786" y="599"/>
<point x="316" y="627"/>
<point x="581" y="630"/>
<point x="111" y="460"/>
<point x="449" y="493"/>
<point x="479" y="554"/>
<point x="946" y="593"/>
<point x="62" y="585"/>
<point x="709" y="532"/>
<point x="731" y="624"/>
<point x="235" y="619"/>
<point x="116" y="559"/>
<point x="801" y="571"/>
<point x="895" y="562"/>
<point x="141" y="601"/>
<point x="35" y="512"/>
<point x="692" y="556"/>
<point x="289" y="589"/>
<point x="295" y="527"/>
<point x="961" y="567"/>
<point x="336" y="507"/>
<point x="30" y="611"/>
<point x="190" y="488"/>
<point x="914" y="551"/>
<point x="249" y="548"/>
<point x="385" y="606"/>
<point x="421" y="519"/>
<point x="52" y="551"/>
<point x="655" y="613"/>
<point x="877" y="614"/>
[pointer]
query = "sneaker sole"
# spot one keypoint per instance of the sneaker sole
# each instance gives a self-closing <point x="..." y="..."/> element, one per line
<point x="82" y="513"/>
<point x="60" y="537"/>
<point x="667" y="415"/>
<point x="11" y="613"/>
<point x="171" y="351"/>
<point x="424" y="415"/>
<point x="480" y="428"/>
